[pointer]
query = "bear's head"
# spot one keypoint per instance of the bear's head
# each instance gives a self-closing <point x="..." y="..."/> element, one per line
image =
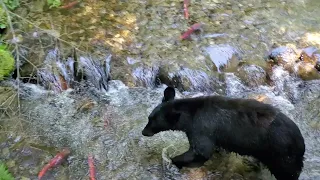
<point x="163" y="117"/>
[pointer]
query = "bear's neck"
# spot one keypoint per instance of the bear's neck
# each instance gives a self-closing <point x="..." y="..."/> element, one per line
<point x="187" y="109"/>
<point x="183" y="123"/>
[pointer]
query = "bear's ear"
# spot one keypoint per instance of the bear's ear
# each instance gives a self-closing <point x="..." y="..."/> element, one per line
<point x="168" y="94"/>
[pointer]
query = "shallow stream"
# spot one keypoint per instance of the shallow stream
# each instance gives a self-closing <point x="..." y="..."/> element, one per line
<point x="125" y="51"/>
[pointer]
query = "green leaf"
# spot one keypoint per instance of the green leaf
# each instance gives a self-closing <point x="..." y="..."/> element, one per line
<point x="2" y="26"/>
<point x="12" y="4"/>
<point x="53" y="3"/>
<point x="4" y="173"/>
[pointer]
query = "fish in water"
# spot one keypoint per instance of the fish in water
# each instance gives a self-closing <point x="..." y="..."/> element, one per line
<point x="69" y="5"/>
<point x="185" y="8"/>
<point x="193" y="28"/>
<point x="58" y="159"/>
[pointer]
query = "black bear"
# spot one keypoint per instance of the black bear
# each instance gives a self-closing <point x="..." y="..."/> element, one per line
<point x="244" y="126"/>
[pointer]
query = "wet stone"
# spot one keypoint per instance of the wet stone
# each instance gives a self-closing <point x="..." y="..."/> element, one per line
<point x="283" y="55"/>
<point x="309" y="55"/>
<point x="306" y="71"/>
<point x="252" y="75"/>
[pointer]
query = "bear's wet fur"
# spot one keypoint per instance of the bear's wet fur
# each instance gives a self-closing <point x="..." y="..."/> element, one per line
<point x="244" y="126"/>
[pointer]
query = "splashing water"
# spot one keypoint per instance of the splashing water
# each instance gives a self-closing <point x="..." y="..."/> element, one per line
<point x="60" y="75"/>
<point x="145" y="76"/>
<point x="220" y="55"/>
<point x="129" y="155"/>
<point x="198" y="80"/>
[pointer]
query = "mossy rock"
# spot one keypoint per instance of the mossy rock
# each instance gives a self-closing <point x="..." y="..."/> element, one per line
<point x="6" y="63"/>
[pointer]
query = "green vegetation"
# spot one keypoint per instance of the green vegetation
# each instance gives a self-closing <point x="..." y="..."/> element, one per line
<point x="4" y="173"/>
<point x="53" y="3"/>
<point x="6" y="63"/>
<point x="3" y="19"/>
<point x="12" y="4"/>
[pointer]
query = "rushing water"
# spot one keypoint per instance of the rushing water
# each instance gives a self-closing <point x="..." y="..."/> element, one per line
<point x="111" y="131"/>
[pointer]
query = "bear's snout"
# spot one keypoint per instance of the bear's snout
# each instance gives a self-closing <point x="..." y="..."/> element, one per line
<point x="146" y="132"/>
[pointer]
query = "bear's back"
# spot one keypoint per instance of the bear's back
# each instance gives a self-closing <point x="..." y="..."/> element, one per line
<point x="249" y="110"/>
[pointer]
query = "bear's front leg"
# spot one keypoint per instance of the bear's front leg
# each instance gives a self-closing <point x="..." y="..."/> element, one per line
<point x="199" y="152"/>
<point x="188" y="159"/>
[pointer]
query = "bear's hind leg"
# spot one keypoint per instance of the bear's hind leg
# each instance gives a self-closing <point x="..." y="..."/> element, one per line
<point x="286" y="168"/>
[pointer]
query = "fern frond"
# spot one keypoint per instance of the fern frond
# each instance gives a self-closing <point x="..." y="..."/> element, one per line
<point x="4" y="173"/>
